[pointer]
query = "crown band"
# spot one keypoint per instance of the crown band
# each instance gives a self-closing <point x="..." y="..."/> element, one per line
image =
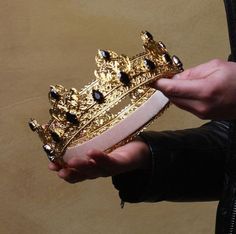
<point x="89" y="118"/>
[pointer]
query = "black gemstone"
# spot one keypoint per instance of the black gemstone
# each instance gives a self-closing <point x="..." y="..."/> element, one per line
<point x="72" y="117"/>
<point x="148" y="35"/>
<point x="167" y="58"/>
<point x="149" y="64"/>
<point x="32" y="125"/>
<point x="52" y="158"/>
<point x="161" y="44"/>
<point x="124" y="78"/>
<point x="98" y="96"/>
<point x="48" y="149"/>
<point x="104" y="54"/>
<point x="177" y="61"/>
<point x="55" y="136"/>
<point x="54" y="94"/>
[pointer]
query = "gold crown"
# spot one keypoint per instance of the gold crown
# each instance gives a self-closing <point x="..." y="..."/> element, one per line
<point x="78" y="116"/>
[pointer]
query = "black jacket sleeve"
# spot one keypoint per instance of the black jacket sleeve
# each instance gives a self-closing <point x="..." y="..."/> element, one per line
<point x="187" y="165"/>
<point x="230" y="8"/>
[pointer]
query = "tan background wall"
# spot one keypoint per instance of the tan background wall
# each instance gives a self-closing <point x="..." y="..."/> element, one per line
<point x="50" y="42"/>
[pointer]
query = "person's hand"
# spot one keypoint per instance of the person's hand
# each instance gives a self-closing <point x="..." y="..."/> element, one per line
<point x="207" y="90"/>
<point x="134" y="155"/>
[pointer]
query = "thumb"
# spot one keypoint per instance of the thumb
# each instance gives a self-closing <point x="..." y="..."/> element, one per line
<point x="102" y="160"/>
<point x="98" y="156"/>
<point x="181" y="88"/>
<point x="110" y="164"/>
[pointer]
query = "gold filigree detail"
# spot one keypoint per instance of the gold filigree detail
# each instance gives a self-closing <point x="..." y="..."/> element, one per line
<point x="78" y="116"/>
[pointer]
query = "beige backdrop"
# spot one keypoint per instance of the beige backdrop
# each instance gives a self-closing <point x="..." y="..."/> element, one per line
<point x="54" y="41"/>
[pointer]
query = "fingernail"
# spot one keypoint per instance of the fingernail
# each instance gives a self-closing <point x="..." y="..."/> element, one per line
<point x="155" y="84"/>
<point x="92" y="161"/>
<point x="61" y="173"/>
<point x="177" y="76"/>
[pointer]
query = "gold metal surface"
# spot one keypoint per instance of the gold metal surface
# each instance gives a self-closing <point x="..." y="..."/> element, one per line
<point x="78" y="116"/>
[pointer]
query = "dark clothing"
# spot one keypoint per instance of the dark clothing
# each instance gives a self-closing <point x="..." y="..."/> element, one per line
<point x="187" y="165"/>
<point x="230" y="8"/>
<point x="193" y="164"/>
